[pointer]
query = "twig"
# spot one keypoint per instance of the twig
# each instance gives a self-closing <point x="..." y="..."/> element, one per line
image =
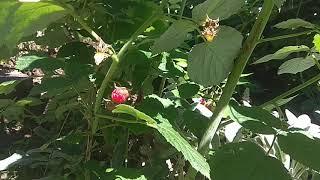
<point x="291" y="91"/>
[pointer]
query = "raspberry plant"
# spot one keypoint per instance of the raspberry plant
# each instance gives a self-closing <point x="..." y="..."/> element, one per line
<point x="189" y="113"/>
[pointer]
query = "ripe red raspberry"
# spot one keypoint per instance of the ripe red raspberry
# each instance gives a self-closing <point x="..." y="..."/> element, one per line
<point x="119" y="95"/>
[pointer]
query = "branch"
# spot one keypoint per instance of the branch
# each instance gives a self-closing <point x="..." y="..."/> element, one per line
<point x="233" y="78"/>
<point x="114" y="67"/>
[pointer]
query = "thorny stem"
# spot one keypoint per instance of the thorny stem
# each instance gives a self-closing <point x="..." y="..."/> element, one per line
<point x="233" y="78"/>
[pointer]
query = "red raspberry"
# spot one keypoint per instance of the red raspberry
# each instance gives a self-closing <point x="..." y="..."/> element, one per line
<point x="119" y="95"/>
<point x="202" y="101"/>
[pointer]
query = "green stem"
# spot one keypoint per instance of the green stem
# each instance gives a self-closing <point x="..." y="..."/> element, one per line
<point x="183" y="5"/>
<point x="169" y="17"/>
<point x="101" y="91"/>
<point x="162" y="85"/>
<point x="108" y="126"/>
<point x="81" y="22"/>
<point x="285" y="36"/>
<point x="291" y="91"/>
<point x="233" y="78"/>
<point x="126" y="148"/>
<point x="271" y="145"/>
<point x="114" y="67"/>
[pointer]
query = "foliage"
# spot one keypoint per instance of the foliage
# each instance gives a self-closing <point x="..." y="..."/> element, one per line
<point x="150" y="89"/>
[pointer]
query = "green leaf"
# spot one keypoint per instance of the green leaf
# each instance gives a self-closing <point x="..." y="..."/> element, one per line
<point x="245" y="160"/>
<point x="164" y="102"/>
<point x="295" y="65"/>
<point x="153" y="105"/>
<point x="18" y="20"/>
<point x="279" y="103"/>
<point x="301" y="147"/>
<point x="126" y="109"/>
<point x="54" y="36"/>
<point x="5" y="102"/>
<point x="77" y="52"/>
<point x="169" y="68"/>
<point x="315" y="176"/>
<point x="210" y="63"/>
<point x="279" y="3"/>
<point x="120" y="148"/>
<point x="29" y="101"/>
<point x="294" y="23"/>
<point x="282" y="53"/>
<point x="255" y="119"/>
<point x="197" y="161"/>
<point x="188" y="90"/>
<point x="176" y="34"/>
<point x="316" y="42"/>
<point x="8" y="86"/>
<point x="195" y="122"/>
<point x="14" y="113"/>
<point x="63" y="108"/>
<point x="137" y="67"/>
<point x="46" y="64"/>
<point x="52" y="86"/>
<point x="221" y="9"/>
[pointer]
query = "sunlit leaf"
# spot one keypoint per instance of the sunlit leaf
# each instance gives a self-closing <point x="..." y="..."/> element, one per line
<point x="282" y="53"/>
<point x="196" y="160"/>
<point x="29" y="101"/>
<point x="8" y="86"/>
<point x="294" y="23"/>
<point x="126" y="109"/>
<point x="279" y="103"/>
<point x="316" y="42"/>
<point x="173" y="37"/>
<point x="18" y="19"/>
<point x="46" y="64"/>
<point x="296" y="65"/>
<point x="210" y="63"/>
